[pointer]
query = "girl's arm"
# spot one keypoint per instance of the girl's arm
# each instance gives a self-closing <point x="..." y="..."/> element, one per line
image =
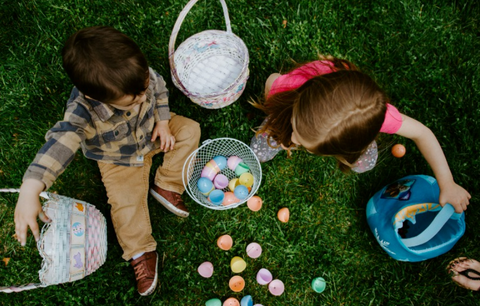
<point x="428" y="145"/>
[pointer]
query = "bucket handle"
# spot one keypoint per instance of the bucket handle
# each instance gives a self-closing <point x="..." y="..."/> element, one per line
<point x="176" y="29"/>
<point x="437" y="224"/>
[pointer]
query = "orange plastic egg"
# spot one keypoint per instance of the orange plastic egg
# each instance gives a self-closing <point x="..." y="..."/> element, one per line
<point x="229" y="199"/>
<point x="236" y="283"/>
<point x="255" y="203"/>
<point x="398" y="150"/>
<point x="283" y="215"/>
<point x="225" y="242"/>
<point x="231" y="302"/>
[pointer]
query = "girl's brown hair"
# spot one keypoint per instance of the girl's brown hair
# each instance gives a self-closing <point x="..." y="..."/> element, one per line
<point x="337" y="114"/>
<point x="105" y="64"/>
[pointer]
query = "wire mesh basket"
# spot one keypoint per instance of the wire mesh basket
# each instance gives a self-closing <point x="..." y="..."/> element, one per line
<point x="73" y="245"/>
<point x="210" y="67"/>
<point x="226" y="147"/>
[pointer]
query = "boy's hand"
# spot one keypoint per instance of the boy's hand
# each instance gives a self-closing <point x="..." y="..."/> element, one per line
<point x="454" y="194"/>
<point x="27" y="209"/>
<point x="167" y="140"/>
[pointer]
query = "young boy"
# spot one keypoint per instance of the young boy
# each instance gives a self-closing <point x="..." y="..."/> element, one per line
<point x="118" y="114"/>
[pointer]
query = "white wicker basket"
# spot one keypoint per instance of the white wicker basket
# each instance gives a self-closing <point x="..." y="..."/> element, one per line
<point x="210" y="67"/>
<point x="195" y="163"/>
<point x="73" y="245"/>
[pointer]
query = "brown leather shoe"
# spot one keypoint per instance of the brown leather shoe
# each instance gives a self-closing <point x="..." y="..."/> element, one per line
<point x="146" y="272"/>
<point x="171" y="200"/>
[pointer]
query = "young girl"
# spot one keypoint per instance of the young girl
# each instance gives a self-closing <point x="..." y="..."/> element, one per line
<point x="332" y="109"/>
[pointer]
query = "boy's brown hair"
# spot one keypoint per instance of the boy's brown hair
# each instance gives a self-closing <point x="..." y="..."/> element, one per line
<point x="337" y="114"/>
<point x="105" y="64"/>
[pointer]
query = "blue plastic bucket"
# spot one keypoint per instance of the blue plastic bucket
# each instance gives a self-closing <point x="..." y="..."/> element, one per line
<point x="408" y="222"/>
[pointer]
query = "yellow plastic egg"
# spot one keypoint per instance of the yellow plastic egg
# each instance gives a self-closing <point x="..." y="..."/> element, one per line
<point x="246" y="179"/>
<point x="238" y="264"/>
<point x="233" y="183"/>
<point x="283" y="215"/>
<point x="254" y="203"/>
<point x="225" y="242"/>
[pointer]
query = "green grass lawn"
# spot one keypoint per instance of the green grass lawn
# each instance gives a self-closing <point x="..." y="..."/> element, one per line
<point x="424" y="54"/>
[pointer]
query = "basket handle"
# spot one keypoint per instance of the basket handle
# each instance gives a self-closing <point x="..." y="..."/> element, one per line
<point x="437" y="224"/>
<point x="176" y="29"/>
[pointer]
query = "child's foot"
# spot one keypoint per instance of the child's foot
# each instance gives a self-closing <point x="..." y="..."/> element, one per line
<point x="171" y="200"/>
<point x="466" y="273"/>
<point x="145" y="268"/>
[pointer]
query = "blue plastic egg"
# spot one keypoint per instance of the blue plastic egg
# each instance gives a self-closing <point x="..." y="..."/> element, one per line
<point x="246" y="301"/>
<point x="221" y="161"/>
<point x="216" y="197"/>
<point x="205" y="186"/>
<point x="241" y="192"/>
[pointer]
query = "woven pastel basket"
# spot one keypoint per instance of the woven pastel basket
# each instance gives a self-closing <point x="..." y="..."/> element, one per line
<point x="194" y="164"/>
<point x="210" y="67"/>
<point x="73" y="245"/>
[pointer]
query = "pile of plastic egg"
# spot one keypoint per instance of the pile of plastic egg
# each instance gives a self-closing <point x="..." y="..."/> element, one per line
<point x="213" y="182"/>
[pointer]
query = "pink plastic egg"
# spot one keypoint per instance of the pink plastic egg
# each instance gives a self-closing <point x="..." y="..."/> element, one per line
<point x="283" y="215"/>
<point x="230" y="199"/>
<point x="225" y="242"/>
<point x="209" y="173"/>
<point x="276" y="287"/>
<point x="206" y="269"/>
<point x="254" y="250"/>
<point x="255" y="203"/>
<point x="212" y="164"/>
<point x="233" y="162"/>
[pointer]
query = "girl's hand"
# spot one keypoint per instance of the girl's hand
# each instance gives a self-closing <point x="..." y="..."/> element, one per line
<point x="454" y="194"/>
<point x="167" y="140"/>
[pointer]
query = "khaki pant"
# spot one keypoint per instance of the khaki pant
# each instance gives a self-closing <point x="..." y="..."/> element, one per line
<point x="128" y="187"/>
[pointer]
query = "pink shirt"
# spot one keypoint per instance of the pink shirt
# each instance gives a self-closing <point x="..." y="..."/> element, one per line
<point x="296" y="78"/>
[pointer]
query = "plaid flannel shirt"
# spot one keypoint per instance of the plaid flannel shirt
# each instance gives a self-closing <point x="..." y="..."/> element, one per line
<point x="103" y="132"/>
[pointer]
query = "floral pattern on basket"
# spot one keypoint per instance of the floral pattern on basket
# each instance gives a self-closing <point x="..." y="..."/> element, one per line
<point x="210" y="67"/>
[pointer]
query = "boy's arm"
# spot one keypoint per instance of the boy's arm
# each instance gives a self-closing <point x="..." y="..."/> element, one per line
<point x="27" y="209"/>
<point x="428" y="145"/>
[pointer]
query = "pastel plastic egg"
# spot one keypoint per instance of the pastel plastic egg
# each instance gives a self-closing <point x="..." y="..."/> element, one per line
<point x="229" y="199"/>
<point x="241" y="169"/>
<point x="233" y="162"/>
<point x="233" y="184"/>
<point x="209" y="173"/>
<point x="283" y="215"/>
<point x="213" y="302"/>
<point x="206" y="269"/>
<point x="241" y="192"/>
<point x="212" y="164"/>
<point x="264" y="276"/>
<point x="246" y="179"/>
<point x="237" y="264"/>
<point x="220" y="181"/>
<point x="255" y="203"/>
<point x="225" y="242"/>
<point x="246" y="301"/>
<point x="231" y="302"/>
<point x="205" y="186"/>
<point x="276" y="287"/>
<point x="398" y="150"/>
<point x="236" y="283"/>
<point x="254" y="250"/>
<point x="216" y="197"/>
<point x="221" y="161"/>
<point x="318" y="284"/>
